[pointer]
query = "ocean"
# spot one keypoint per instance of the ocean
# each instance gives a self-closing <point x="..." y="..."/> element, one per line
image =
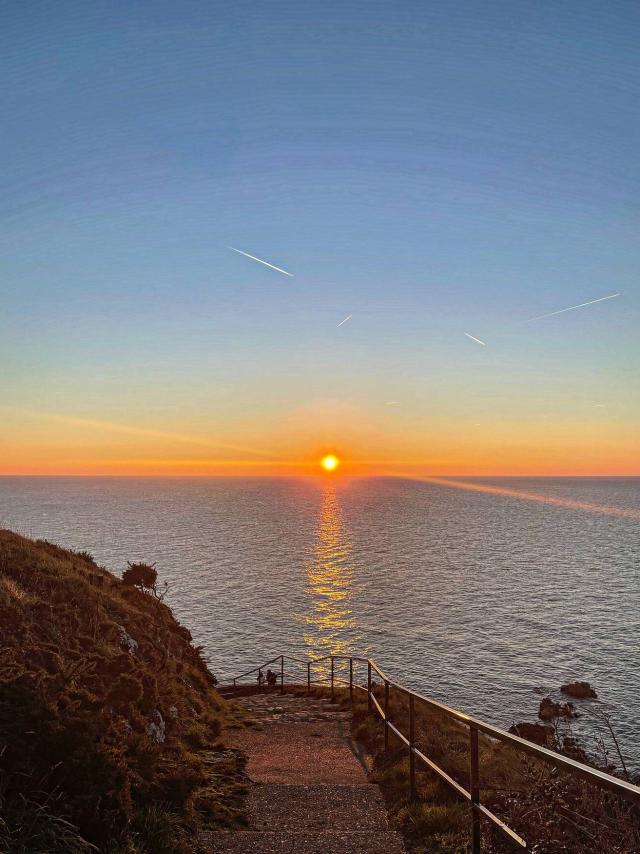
<point x="467" y="591"/>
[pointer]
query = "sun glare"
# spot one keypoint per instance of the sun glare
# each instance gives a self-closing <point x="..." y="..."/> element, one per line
<point x="330" y="462"/>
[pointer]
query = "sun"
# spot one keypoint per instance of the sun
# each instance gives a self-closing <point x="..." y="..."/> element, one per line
<point x="330" y="462"/>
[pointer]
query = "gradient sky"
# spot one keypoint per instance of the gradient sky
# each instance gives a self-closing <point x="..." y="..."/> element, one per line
<point x="430" y="168"/>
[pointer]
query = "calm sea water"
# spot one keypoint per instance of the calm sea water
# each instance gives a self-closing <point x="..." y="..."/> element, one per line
<point x="480" y="599"/>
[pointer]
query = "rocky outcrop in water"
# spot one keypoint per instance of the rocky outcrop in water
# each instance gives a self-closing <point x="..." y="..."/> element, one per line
<point x="537" y="733"/>
<point x="579" y="690"/>
<point x="550" y="710"/>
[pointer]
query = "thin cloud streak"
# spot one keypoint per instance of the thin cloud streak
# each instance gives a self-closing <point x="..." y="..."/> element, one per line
<point x="205" y="462"/>
<point x="473" y="338"/>
<point x="135" y="431"/>
<point x="572" y="308"/>
<point x="260" y="261"/>
<point x="348" y="317"/>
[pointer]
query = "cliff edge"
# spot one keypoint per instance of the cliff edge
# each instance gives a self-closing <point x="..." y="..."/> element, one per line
<point x="109" y="718"/>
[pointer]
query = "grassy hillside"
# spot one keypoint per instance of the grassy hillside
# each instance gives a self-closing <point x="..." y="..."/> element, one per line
<point x="109" y="720"/>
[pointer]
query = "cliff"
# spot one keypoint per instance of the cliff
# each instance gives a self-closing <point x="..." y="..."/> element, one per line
<point x="109" y="718"/>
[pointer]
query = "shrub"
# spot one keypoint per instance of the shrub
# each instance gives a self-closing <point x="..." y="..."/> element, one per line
<point x="125" y="690"/>
<point x="142" y="575"/>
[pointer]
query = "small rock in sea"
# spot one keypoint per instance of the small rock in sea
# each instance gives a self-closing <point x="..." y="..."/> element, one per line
<point x="537" y="733"/>
<point x="580" y="690"/>
<point x="549" y="710"/>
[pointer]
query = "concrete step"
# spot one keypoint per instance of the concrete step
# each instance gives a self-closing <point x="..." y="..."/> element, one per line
<point x="316" y="808"/>
<point x="287" y="842"/>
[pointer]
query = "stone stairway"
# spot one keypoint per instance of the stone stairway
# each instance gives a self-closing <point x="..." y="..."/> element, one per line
<point x="309" y="792"/>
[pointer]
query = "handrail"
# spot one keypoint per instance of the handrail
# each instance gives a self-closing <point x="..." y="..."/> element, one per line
<point x="382" y="675"/>
<point x="255" y="669"/>
<point x="599" y="778"/>
<point x="558" y="759"/>
<point x="301" y="661"/>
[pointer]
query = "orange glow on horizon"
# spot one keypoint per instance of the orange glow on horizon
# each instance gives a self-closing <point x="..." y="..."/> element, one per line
<point x="326" y="440"/>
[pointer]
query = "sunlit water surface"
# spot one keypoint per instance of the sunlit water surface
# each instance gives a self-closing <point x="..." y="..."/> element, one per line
<point x="480" y="599"/>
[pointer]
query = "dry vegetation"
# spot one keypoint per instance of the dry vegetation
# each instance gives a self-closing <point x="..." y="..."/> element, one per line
<point x="109" y="720"/>
<point x="555" y="813"/>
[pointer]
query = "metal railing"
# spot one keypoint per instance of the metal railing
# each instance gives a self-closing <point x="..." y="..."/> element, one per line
<point x="599" y="778"/>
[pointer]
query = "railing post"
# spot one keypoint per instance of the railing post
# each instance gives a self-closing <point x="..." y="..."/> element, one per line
<point x="412" y="756"/>
<point x="351" y="680"/>
<point x="308" y="677"/>
<point x="386" y="715"/>
<point x="282" y="674"/>
<point x="475" y="791"/>
<point x="332" y="690"/>
<point x="234" y="683"/>
<point x="370" y="704"/>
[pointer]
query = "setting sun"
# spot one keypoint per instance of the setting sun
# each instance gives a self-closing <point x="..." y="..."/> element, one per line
<point x="330" y="462"/>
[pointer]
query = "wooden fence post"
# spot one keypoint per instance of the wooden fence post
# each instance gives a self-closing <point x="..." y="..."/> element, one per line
<point x="475" y="791"/>
<point x="386" y="715"/>
<point x="412" y="756"/>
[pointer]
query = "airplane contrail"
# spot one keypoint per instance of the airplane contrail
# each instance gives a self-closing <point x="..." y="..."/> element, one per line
<point x="473" y="338"/>
<point x="260" y="261"/>
<point x="348" y="317"/>
<point x="571" y="308"/>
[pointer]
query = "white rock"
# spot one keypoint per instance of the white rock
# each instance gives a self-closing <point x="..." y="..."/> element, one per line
<point x="127" y="641"/>
<point x="156" y="729"/>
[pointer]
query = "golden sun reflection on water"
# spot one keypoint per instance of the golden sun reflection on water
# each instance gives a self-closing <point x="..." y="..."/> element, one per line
<point x="330" y="624"/>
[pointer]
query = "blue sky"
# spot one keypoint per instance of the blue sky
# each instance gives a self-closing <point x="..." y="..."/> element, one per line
<point x="429" y="168"/>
